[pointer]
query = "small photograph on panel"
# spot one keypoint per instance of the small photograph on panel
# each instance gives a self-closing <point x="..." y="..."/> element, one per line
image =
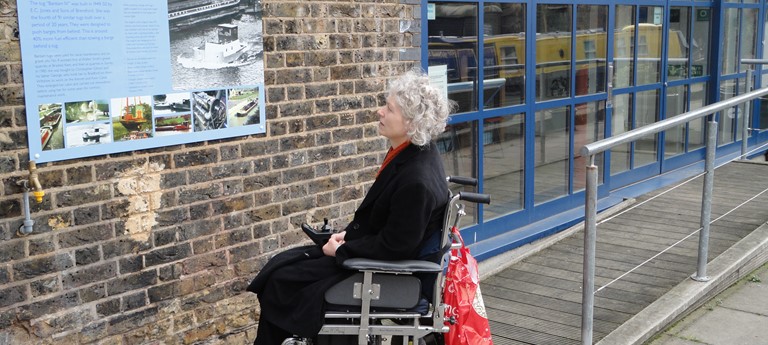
<point x="172" y="125"/>
<point x="172" y="103"/>
<point x="131" y="118"/>
<point x="51" y="135"/>
<point x="210" y="110"/>
<point x="87" y="111"/>
<point x="243" y="107"/>
<point x="88" y="134"/>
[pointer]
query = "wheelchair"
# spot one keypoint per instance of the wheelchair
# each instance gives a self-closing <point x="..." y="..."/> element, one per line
<point x="384" y="300"/>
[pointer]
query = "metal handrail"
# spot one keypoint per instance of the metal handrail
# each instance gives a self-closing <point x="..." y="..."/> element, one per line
<point x="656" y="127"/>
<point x="754" y="61"/>
<point x="590" y="207"/>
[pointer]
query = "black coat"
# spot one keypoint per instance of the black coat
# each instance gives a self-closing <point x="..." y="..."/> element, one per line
<point x="404" y="206"/>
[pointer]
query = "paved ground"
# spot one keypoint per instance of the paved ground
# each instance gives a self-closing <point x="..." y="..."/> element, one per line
<point x="737" y="316"/>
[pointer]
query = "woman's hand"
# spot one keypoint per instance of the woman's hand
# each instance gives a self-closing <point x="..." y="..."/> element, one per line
<point x="339" y="236"/>
<point x="336" y="240"/>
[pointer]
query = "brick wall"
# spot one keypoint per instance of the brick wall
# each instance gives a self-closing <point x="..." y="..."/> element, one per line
<point x="157" y="246"/>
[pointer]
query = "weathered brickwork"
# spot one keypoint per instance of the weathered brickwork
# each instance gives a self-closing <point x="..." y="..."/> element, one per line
<point x="157" y="246"/>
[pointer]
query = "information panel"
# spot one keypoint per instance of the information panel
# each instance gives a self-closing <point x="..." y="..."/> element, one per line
<point x="113" y="76"/>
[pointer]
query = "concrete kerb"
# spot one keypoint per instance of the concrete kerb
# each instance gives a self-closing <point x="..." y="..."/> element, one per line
<point x="498" y="263"/>
<point x="730" y="266"/>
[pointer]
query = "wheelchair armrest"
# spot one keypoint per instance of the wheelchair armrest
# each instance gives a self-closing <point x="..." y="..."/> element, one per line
<point x="400" y="266"/>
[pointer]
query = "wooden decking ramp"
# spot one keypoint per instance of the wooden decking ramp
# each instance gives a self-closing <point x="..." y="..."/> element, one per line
<point x="537" y="300"/>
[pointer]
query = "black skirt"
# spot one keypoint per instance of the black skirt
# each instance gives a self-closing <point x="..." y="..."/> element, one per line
<point x="291" y="289"/>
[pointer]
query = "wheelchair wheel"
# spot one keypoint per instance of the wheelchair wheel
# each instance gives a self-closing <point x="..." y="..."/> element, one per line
<point x="297" y="341"/>
<point x="345" y="340"/>
<point x="433" y="339"/>
<point x="429" y="339"/>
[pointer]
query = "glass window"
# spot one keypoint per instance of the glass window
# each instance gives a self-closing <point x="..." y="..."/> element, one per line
<point x="504" y="54"/>
<point x="649" y="44"/>
<point x="591" y="26"/>
<point x="457" y="146"/>
<point x="763" y="120"/>
<point x="696" y="129"/>
<point x="642" y="45"/>
<point x="553" y="52"/>
<point x="453" y="43"/>
<point x="589" y="127"/>
<point x="702" y="33"/>
<point x="729" y="118"/>
<point x="730" y="40"/>
<point x="764" y="106"/>
<point x="622" y="112"/>
<point x="504" y="163"/>
<point x="646" y="113"/>
<point x="765" y="34"/>
<point x="677" y="44"/>
<point x="749" y="26"/>
<point x="623" y="46"/>
<point x="674" y="142"/>
<point x="740" y="111"/>
<point x="552" y="146"/>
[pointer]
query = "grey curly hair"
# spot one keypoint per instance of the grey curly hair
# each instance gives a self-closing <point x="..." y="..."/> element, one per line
<point x="425" y="109"/>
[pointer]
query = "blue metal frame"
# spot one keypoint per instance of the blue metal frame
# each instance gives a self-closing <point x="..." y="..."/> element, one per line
<point x="557" y="208"/>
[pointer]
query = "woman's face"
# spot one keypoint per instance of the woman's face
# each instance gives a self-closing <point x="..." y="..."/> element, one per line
<point x="392" y="124"/>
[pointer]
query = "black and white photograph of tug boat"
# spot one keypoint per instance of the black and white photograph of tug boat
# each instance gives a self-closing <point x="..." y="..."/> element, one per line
<point x="226" y="50"/>
<point x="215" y="43"/>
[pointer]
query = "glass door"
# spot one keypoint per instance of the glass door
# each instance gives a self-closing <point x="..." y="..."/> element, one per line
<point x="638" y="81"/>
<point x="569" y="106"/>
<point x="688" y="51"/>
<point x="740" y="25"/>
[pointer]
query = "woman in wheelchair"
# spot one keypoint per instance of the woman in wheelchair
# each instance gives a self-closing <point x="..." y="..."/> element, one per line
<point x="400" y="217"/>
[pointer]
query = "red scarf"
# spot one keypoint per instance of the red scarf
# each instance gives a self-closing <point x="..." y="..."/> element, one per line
<point x="391" y="154"/>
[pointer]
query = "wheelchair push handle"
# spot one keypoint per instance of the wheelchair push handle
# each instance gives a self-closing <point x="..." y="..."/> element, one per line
<point x="475" y="197"/>
<point x="466" y="181"/>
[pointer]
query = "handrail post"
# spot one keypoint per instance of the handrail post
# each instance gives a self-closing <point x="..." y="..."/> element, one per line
<point x="590" y="239"/>
<point x="706" y="202"/>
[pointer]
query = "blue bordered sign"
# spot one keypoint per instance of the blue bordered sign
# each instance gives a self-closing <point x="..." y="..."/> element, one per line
<point x="103" y="77"/>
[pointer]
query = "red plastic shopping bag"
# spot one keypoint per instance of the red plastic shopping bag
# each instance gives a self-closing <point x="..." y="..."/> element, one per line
<point x="464" y="303"/>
